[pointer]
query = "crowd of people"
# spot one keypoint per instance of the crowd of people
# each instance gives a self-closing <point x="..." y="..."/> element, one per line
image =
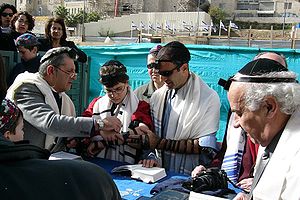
<point x="169" y="122"/>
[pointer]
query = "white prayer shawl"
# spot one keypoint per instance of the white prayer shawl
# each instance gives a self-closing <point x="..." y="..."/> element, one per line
<point x="67" y="108"/>
<point x="129" y="105"/>
<point x="236" y="141"/>
<point x="195" y="113"/>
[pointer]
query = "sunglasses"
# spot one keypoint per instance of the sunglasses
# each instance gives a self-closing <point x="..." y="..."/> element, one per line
<point x="152" y="65"/>
<point x="169" y="72"/>
<point x="7" y="14"/>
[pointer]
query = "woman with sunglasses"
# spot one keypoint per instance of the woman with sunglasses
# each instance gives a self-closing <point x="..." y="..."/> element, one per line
<point x="121" y="102"/>
<point x="6" y="11"/>
<point x="21" y="22"/>
<point x="56" y="35"/>
<point x="145" y="92"/>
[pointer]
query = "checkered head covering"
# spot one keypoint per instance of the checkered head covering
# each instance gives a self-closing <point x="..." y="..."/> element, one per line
<point x="9" y="114"/>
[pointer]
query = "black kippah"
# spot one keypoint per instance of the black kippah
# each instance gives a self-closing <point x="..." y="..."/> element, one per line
<point x="253" y="70"/>
<point x="262" y="66"/>
<point x="174" y="51"/>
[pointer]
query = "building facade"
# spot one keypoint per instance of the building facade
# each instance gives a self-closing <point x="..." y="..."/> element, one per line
<point x="259" y="8"/>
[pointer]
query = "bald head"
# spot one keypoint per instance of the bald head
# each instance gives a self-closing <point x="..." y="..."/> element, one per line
<point x="272" y="56"/>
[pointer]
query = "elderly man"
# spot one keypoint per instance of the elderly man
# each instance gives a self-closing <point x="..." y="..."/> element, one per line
<point x="265" y="99"/>
<point x="186" y="114"/>
<point x="238" y="153"/>
<point x="48" y="111"/>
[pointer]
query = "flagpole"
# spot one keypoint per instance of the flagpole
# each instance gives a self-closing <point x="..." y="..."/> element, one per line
<point x="220" y="29"/>
<point x="229" y="27"/>
<point x="131" y="31"/>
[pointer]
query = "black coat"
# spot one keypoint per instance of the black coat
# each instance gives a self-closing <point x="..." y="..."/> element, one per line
<point x="25" y="173"/>
<point x="31" y="66"/>
<point x="46" y="45"/>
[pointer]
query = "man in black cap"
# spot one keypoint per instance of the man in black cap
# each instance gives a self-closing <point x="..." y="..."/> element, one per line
<point x="265" y="99"/>
<point x="185" y="111"/>
<point x="49" y="112"/>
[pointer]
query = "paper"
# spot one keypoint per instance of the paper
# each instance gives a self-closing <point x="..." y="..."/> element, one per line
<point x="147" y="175"/>
<point x="64" y="155"/>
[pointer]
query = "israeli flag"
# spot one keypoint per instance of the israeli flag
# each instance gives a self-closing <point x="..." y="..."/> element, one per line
<point x="222" y="26"/>
<point x="133" y="26"/>
<point x="233" y="26"/>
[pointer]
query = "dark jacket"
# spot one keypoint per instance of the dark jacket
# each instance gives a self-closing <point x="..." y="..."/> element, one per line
<point x="46" y="45"/>
<point x="25" y="173"/>
<point x="31" y="66"/>
<point x="7" y="40"/>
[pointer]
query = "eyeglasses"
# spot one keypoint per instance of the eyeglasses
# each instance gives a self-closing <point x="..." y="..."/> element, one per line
<point x="152" y="65"/>
<point x="71" y="74"/>
<point x="118" y="90"/>
<point x="7" y="14"/>
<point x="22" y="21"/>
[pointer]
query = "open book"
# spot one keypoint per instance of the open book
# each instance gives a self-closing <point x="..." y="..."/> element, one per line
<point x="64" y="155"/>
<point x="147" y="175"/>
<point x="196" y="196"/>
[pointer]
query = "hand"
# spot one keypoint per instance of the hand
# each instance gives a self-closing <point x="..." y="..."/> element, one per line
<point x="148" y="140"/>
<point x="112" y="124"/>
<point x="241" y="196"/>
<point x="94" y="148"/>
<point x="111" y="136"/>
<point x="142" y="129"/>
<point x="245" y="184"/>
<point x="198" y="170"/>
<point x="149" y="163"/>
<point x="72" y="142"/>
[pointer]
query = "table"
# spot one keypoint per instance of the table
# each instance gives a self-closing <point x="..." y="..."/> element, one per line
<point x="131" y="189"/>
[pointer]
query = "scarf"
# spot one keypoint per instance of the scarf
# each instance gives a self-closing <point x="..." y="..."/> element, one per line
<point x="195" y="113"/>
<point x="67" y="108"/>
<point x="123" y="111"/>
<point x="232" y="161"/>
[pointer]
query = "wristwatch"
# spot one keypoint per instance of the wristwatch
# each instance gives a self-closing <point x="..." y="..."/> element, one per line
<point x="100" y="123"/>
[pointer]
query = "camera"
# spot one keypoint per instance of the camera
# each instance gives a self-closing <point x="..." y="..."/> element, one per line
<point x="209" y="180"/>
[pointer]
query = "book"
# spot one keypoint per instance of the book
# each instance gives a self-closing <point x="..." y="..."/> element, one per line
<point x="147" y="175"/>
<point x="64" y="155"/>
<point x="196" y="196"/>
<point x="167" y="195"/>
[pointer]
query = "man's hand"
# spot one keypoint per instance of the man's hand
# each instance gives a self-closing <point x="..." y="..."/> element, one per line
<point x="149" y="163"/>
<point x="112" y="124"/>
<point x="94" y="148"/>
<point x="141" y="129"/>
<point x="241" y="196"/>
<point x="198" y="170"/>
<point x="112" y="136"/>
<point x="245" y="184"/>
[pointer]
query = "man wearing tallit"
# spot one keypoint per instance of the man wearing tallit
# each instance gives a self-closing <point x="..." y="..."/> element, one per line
<point x="185" y="113"/>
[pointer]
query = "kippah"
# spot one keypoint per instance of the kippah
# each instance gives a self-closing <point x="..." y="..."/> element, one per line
<point x="9" y="113"/>
<point x="174" y="51"/>
<point x="58" y="51"/>
<point x="154" y="50"/>
<point x="254" y="70"/>
<point x="114" y="77"/>
<point x="262" y="66"/>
